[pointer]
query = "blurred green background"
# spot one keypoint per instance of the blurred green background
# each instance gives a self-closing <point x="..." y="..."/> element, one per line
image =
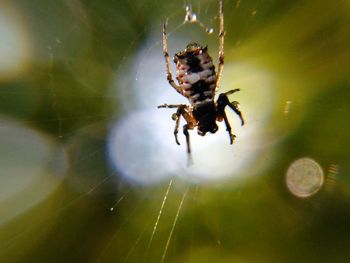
<point x="62" y="66"/>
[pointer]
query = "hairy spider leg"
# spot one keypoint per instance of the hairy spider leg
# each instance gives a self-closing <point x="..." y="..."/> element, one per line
<point x="167" y="62"/>
<point x="184" y="111"/>
<point x="222" y="102"/>
<point x="228" y="128"/>
<point x="170" y="106"/>
<point x="176" y="116"/>
<point x="234" y="105"/>
<point x="221" y="44"/>
<point x="231" y="91"/>
<point x="187" y="134"/>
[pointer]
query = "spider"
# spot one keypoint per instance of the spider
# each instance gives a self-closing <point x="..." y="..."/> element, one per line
<point x="198" y="81"/>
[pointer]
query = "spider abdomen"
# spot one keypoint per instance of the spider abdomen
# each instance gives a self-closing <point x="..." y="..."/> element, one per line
<point x="196" y="74"/>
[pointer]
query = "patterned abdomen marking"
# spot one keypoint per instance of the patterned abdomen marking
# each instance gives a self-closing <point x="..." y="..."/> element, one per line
<point x="196" y="75"/>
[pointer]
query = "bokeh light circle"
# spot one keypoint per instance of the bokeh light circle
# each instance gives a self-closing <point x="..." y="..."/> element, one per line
<point x="136" y="149"/>
<point x="304" y="177"/>
<point x="31" y="167"/>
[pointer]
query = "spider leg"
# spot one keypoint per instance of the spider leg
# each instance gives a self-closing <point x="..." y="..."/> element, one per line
<point x="167" y="62"/>
<point x="176" y="129"/>
<point x="221" y="43"/>
<point x="176" y="116"/>
<point x="170" y="106"/>
<point x="222" y="102"/>
<point x="234" y="105"/>
<point x="228" y="128"/>
<point x="231" y="91"/>
<point x="187" y="134"/>
<point x="186" y="112"/>
<point x="182" y="110"/>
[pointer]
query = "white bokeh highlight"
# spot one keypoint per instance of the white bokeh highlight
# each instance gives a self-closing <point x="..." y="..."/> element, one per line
<point x="15" y="43"/>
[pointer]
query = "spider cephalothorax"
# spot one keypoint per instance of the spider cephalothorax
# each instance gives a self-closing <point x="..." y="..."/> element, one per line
<point x="198" y="82"/>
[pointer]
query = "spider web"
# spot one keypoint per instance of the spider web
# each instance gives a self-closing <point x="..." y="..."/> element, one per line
<point x="89" y="167"/>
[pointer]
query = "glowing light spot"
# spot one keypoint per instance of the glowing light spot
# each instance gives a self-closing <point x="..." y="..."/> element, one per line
<point x="331" y="178"/>
<point x="14" y="45"/>
<point x="287" y="107"/>
<point x="210" y="30"/>
<point x="136" y="149"/>
<point x="190" y="16"/>
<point x="304" y="177"/>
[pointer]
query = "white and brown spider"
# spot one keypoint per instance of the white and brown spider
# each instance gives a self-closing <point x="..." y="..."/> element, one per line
<point x="198" y="82"/>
